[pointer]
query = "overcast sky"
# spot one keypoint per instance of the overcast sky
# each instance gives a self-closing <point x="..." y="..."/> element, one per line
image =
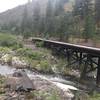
<point x="8" y="4"/>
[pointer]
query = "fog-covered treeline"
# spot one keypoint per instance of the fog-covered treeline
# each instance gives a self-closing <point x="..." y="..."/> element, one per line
<point x="82" y="20"/>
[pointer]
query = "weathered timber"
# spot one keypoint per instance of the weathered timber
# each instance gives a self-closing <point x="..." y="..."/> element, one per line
<point x="95" y="51"/>
<point x="98" y="73"/>
<point x="82" y="55"/>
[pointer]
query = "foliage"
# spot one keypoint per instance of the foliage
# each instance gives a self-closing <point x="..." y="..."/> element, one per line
<point x="39" y="44"/>
<point x="55" y="21"/>
<point x="29" y="53"/>
<point x="2" y="80"/>
<point x="45" y="65"/>
<point x="4" y="50"/>
<point x="95" y="97"/>
<point x="8" y="40"/>
<point x="26" y="23"/>
<point x="97" y="7"/>
<point x="54" y="96"/>
<point x="46" y="96"/>
<point x="36" y="19"/>
<point x="89" y="30"/>
<point x="84" y="9"/>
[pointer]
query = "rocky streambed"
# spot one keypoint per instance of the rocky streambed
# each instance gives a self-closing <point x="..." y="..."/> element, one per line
<point x="41" y="87"/>
<point x="20" y="83"/>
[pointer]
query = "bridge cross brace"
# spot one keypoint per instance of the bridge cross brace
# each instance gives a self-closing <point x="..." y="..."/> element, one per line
<point x="90" y="62"/>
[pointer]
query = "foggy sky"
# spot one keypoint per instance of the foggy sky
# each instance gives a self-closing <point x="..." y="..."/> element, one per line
<point x="8" y="4"/>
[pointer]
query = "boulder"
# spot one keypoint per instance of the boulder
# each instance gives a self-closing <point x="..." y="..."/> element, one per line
<point x="19" y="81"/>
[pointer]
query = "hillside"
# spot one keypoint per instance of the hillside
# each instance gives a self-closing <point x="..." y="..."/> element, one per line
<point x="11" y="15"/>
<point x="15" y="15"/>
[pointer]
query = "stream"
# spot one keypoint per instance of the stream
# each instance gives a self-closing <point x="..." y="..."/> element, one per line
<point x="57" y="80"/>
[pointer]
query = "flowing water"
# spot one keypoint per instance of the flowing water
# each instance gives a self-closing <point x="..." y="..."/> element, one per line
<point x="58" y="81"/>
<point x="5" y="70"/>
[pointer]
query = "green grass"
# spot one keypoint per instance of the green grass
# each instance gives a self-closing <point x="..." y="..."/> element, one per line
<point x="45" y="95"/>
<point x="96" y="96"/>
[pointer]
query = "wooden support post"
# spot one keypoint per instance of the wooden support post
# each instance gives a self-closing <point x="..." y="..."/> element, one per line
<point x="83" y="74"/>
<point x="68" y="57"/>
<point x="80" y="59"/>
<point x="98" y="73"/>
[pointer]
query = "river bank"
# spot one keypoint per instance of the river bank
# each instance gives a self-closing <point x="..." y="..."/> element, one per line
<point x="42" y="83"/>
<point x="45" y="86"/>
<point x="56" y="81"/>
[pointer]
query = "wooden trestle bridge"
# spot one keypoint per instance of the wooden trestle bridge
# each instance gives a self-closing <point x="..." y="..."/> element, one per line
<point x="88" y="56"/>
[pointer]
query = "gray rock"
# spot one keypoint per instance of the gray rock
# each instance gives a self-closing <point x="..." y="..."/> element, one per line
<point x="19" y="81"/>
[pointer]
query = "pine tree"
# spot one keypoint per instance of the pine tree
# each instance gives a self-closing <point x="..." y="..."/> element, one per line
<point x="97" y="7"/>
<point x="59" y="7"/>
<point x="26" y="22"/>
<point x="89" y="26"/>
<point x="59" y="22"/>
<point x="49" y="18"/>
<point x="36" y="18"/>
<point x="84" y="9"/>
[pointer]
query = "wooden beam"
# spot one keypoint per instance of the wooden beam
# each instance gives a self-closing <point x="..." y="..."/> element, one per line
<point x="98" y="73"/>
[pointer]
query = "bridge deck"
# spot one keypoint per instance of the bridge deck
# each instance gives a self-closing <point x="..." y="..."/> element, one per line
<point x="95" y="51"/>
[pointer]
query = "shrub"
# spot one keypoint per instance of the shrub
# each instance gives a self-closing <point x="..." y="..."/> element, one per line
<point x="17" y="46"/>
<point x="96" y="96"/>
<point x="29" y="53"/>
<point x="8" y="40"/>
<point x="45" y="66"/>
<point x="2" y="80"/>
<point x="39" y="44"/>
<point x="46" y="95"/>
<point x="4" y="50"/>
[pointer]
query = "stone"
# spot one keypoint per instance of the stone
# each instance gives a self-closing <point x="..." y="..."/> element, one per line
<point x="19" y="81"/>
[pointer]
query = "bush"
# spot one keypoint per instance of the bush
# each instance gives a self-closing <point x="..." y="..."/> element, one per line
<point x="17" y="46"/>
<point x="46" y="95"/>
<point x="39" y="44"/>
<point x="44" y="66"/>
<point x="8" y="40"/>
<point x="95" y="97"/>
<point x="29" y="53"/>
<point x="2" y="80"/>
<point x="4" y="50"/>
